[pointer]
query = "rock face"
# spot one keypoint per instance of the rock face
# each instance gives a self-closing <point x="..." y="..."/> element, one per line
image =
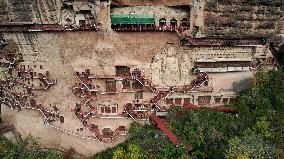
<point x="62" y="53"/>
<point x="39" y="11"/>
<point x="185" y="71"/>
<point x="239" y="18"/>
<point x="170" y="67"/>
<point x="156" y="69"/>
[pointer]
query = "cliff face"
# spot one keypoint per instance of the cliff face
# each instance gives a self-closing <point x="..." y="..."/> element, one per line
<point x="224" y="18"/>
<point x="239" y="18"/>
<point x="40" y="11"/>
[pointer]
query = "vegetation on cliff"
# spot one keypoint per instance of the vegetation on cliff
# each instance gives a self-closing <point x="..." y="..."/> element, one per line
<point x="27" y="148"/>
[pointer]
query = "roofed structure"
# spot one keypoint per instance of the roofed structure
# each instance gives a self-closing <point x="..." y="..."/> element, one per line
<point x="117" y="19"/>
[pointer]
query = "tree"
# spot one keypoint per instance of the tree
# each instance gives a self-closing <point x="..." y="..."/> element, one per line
<point x="148" y="142"/>
<point x="205" y="130"/>
<point x="269" y="85"/>
<point x="53" y="154"/>
<point x="133" y="152"/>
<point x="8" y="150"/>
<point x="279" y="53"/>
<point x="27" y="148"/>
<point x="277" y="128"/>
<point x="241" y="85"/>
<point x="168" y="150"/>
<point x="119" y="153"/>
<point x="147" y="137"/>
<point x="265" y="96"/>
<point x="262" y="127"/>
<point x="261" y="108"/>
<point x="250" y="146"/>
<point x="278" y="153"/>
<point x="108" y="153"/>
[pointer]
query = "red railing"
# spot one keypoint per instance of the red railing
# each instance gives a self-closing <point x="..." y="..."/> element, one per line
<point x="143" y="27"/>
<point x="39" y="27"/>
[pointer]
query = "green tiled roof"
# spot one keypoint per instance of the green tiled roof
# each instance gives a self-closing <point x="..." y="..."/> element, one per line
<point x="132" y="19"/>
